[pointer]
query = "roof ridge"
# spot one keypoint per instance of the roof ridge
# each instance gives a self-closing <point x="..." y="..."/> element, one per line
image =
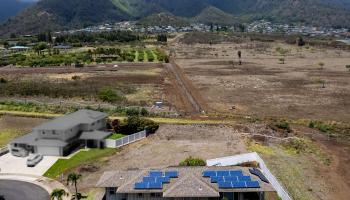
<point x="192" y="178"/>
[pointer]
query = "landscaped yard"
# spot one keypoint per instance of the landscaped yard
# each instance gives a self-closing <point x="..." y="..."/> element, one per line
<point x="116" y="136"/>
<point x="81" y="158"/>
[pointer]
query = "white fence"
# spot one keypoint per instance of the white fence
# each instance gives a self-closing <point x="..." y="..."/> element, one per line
<point x="110" y="143"/>
<point x="243" y="158"/>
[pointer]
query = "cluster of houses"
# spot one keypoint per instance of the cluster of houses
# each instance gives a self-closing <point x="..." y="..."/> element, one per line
<point x="261" y="26"/>
<point x="267" y="27"/>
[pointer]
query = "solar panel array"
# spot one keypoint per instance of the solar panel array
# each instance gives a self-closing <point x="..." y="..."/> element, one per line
<point x="259" y="174"/>
<point x="230" y="179"/>
<point x="155" y="180"/>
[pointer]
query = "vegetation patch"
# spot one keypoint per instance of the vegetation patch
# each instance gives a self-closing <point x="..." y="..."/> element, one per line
<point x="81" y="158"/>
<point x="191" y="161"/>
<point x="297" y="146"/>
<point x="116" y="136"/>
<point x="259" y="148"/>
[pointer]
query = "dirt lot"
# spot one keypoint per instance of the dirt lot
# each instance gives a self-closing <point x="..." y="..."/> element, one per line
<point x="12" y="127"/>
<point x="262" y="86"/>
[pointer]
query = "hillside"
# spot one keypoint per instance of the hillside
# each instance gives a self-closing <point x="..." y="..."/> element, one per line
<point x="163" y="19"/>
<point x="216" y="16"/>
<point x="9" y="8"/>
<point x="58" y="14"/>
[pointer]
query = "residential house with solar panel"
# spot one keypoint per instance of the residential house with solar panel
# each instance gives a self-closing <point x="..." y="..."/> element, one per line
<point x="182" y="183"/>
<point x="58" y="137"/>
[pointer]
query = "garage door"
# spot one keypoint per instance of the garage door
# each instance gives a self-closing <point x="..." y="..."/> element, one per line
<point x="49" y="151"/>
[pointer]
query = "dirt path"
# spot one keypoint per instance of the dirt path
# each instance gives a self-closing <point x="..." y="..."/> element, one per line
<point x="188" y="90"/>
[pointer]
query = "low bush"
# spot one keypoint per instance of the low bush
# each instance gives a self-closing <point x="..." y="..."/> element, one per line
<point x="191" y="161"/>
<point x="283" y="125"/>
<point x="134" y="124"/>
<point x="109" y="95"/>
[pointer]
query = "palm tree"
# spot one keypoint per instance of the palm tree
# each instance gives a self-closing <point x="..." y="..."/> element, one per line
<point x="58" y="194"/>
<point x="73" y="178"/>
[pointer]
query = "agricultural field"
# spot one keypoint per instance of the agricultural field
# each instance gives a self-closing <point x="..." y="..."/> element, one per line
<point x="275" y="79"/>
<point x="83" y="56"/>
<point x="104" y="85"/>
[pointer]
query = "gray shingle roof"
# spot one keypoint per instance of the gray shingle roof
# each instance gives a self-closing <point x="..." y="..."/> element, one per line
<point x="68" y="121"/>
<point x="94" y="135"/>
<point x="190" y="182"/>
<point x="190" y="186"/>
<point x="32" y="139"/>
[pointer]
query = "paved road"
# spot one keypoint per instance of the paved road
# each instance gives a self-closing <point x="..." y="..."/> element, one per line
<point x="16" y="190"/>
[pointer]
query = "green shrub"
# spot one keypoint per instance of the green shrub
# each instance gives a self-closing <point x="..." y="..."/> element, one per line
<point x="191" y="161"/>
<point x="132" y="112"/>
<point x="109" y="95"/>
<point x="144" y="112"/>
<point x="134" y="124"/>
<point x="284" y="125"/>
<point x="323" y="127"/>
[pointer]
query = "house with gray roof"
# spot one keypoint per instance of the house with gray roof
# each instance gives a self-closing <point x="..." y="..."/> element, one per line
<point x="182" y="183"/>
<point x="60" y="136"/>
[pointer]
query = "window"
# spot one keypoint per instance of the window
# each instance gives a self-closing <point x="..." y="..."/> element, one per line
<point x="140" y="195"/>
<point x="111" y="191"/>
<point x="155" y="195"/>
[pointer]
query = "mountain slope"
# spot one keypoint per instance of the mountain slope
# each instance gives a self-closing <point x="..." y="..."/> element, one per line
<point x="216" y="16"/>
<point x="163" y="19"/>
<point x="63" y="14"/>
<point x="9" y="8"/>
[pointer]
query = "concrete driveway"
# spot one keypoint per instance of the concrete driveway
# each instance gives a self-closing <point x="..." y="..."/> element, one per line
<point x="17" y="165"/>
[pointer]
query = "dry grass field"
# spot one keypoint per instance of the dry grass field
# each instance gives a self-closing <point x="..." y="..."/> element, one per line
<point x="313" y="83"/>
<point x="138" y="84"/>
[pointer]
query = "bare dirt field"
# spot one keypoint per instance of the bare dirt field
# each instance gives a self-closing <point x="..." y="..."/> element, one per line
<point x="262" y="86"/>
<point x="12" y="127"/>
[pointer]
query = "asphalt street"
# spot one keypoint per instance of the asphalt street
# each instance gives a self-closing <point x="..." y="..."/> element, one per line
<point x="16" y="190"/>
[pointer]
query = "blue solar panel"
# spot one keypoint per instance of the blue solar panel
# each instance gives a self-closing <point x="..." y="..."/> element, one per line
<point x="244" y="178"/>
<point x="231" y="178"/>
<point x="141" y="185"/>
<point x="209" y="173"/>
<point x="258" y="173"/>
<point x="236" y="173"/>
<point x="149" y="179"/>
<point x="155" y="185"/>
<point x="172" y="174"/>
<point x="223" y="173"/>
<point x="225" y="185"/>
<point x="239" y="184"/>
<point x="253" y="184"/>
<point x="216" y="179"/>
<point x="155" y="173"/>
<point x="163" y="179"/>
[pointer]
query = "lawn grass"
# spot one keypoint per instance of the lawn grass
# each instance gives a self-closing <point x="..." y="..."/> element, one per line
<point x="116" y="136"/>
<point x="81" y="158"/>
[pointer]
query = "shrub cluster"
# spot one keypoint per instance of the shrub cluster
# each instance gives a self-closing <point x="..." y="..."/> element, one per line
<point x="191" y="161"/>
<point x="134" y="124"/>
